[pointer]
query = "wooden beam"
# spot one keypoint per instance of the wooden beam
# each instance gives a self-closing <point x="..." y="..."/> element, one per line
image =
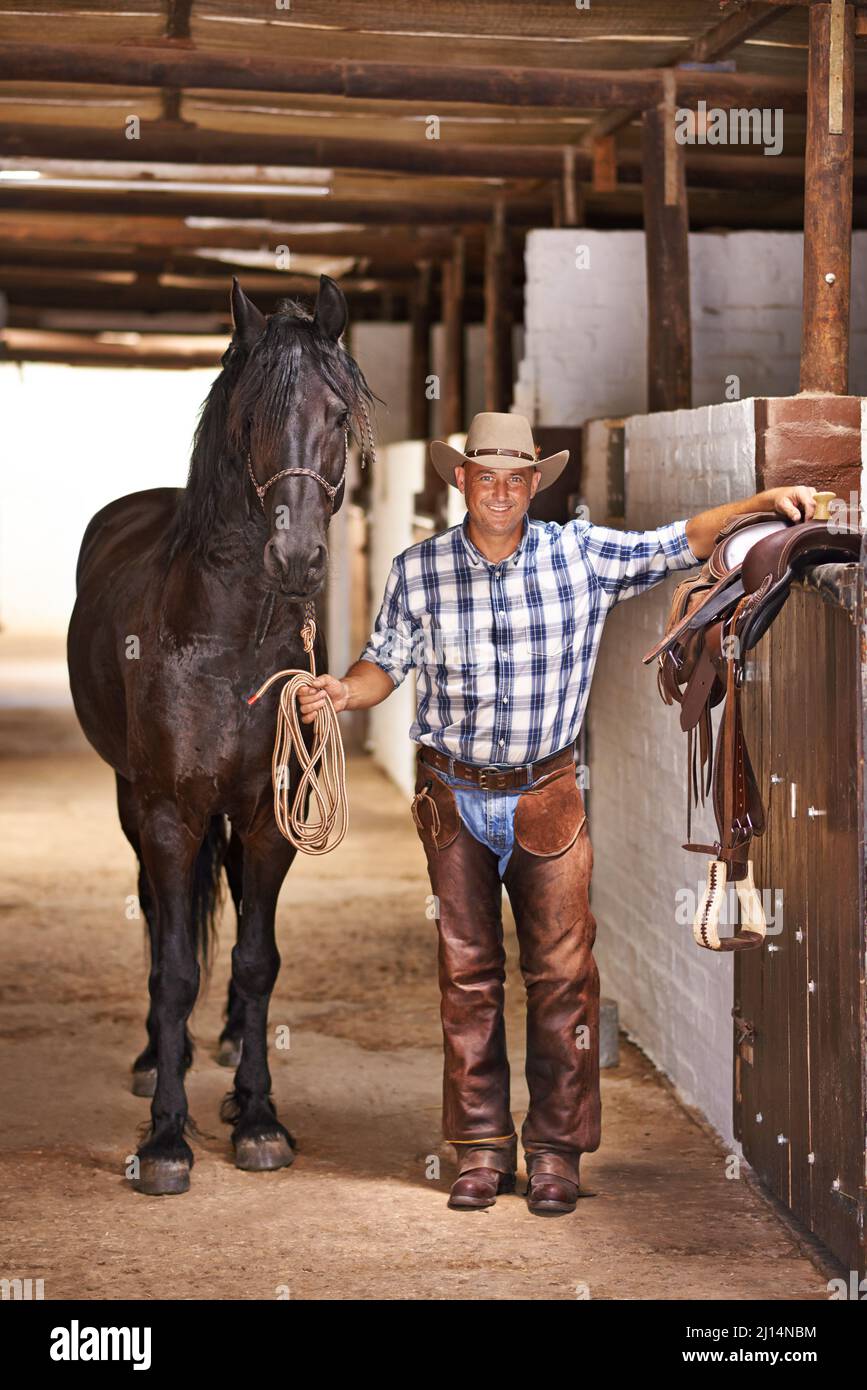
<point x="828" y="200"/>
<point x="733" y="30"/>
<point x="729" y="33"/>
<point x="498" y="315"/>
<point x="453" y="386"/>
<point x="156" y="238"/>
<point x="178" y="18"/>
<point x="266" y="206"/>
<point x="573" y="202"/>
<point x="666" y="237"/>
<point x="421" y="323"/>
<point x="30" y="345"/>
<point x="165" y="143"/>
<point x="165" y="65"/>
<point x="605" y="164"/>
<point x="161" y="144"/>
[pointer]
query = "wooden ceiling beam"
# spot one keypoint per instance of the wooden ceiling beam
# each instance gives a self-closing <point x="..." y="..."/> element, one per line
<point x="166" y="65"/>
<point x="164" y="144"/>
<point x="83" y="229"/>
<point x="265" y="206"/>
<point x="731" y="31"/>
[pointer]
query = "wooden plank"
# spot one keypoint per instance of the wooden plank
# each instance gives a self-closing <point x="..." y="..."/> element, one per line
<point x="836" y="66"/>
<point x="827" y="215"/>
<point x="831" y="842"/>
<point x="666" y="229"/>
<point x="805" y="998"/>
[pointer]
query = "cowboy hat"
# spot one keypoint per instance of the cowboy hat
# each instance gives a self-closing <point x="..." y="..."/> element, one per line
<point x="497" y="441"/>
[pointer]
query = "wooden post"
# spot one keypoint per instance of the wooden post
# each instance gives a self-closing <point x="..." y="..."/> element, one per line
<point x="453" y="319"/>
<point x="498" y="314"/>
<point x="666" y="240"/>
<point x="828" y="199"/>
<point x="419" y="357"/>
<point x="572" y="209"/>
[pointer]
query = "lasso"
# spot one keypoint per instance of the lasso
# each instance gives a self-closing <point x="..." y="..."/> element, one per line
<point x="327" y="785"/>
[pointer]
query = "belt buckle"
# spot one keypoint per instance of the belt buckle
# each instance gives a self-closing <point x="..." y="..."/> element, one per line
<point x="491" y="770"/>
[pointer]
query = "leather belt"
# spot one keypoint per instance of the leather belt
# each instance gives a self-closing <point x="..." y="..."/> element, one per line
<point x="494" y="778"/>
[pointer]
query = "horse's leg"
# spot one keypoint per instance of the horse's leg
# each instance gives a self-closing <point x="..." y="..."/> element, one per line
<point x="260" y="1141"/>
<point x="229" y="1054"/>
<point x="169" y="850"/>
<point x="144" y="1068"/>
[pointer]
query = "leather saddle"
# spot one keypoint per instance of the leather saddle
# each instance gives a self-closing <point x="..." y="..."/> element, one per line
<point x="716" y="618"/>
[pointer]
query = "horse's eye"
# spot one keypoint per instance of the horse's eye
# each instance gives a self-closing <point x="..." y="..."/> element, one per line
<point x="344" y="419"/>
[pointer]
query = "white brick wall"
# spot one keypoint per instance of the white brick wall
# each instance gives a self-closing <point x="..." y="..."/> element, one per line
<point x="585" y="345"/>
<point x="674" y="998"/>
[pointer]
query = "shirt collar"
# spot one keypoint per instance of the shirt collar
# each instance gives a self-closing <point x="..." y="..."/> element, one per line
<point x="476" y="555"/>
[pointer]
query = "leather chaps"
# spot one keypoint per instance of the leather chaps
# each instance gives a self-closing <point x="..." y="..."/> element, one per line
<point x="548" y="881"/>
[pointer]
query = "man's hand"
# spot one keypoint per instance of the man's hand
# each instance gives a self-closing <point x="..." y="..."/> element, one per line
<point x="313" y="697"/>
<point x="365" y="684"/>
<point x="796" y="503"/>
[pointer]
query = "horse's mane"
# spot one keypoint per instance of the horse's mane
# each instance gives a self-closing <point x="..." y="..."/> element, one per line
<point x="252" y="397"/>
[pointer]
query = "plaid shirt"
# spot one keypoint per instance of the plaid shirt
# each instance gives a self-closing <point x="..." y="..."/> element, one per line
<point x="505" y="652"/>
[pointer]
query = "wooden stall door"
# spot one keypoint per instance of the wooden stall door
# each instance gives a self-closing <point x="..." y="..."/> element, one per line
<point x="799" y="1045"/>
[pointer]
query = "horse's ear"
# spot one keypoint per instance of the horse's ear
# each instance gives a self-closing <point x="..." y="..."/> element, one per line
<point x="331" y="311"/>
<point x="248" y="320"/>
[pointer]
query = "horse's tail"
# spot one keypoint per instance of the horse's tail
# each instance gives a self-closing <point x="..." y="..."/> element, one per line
<point x="207" y="889"/>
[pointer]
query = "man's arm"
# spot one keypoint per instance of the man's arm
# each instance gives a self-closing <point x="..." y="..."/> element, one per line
<point x="365" y="684"/>
<point x="384" y="661"/>
<point x="793" y="502"/>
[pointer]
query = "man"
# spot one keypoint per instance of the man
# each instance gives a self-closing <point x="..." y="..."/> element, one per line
<point x="502" y="617"/>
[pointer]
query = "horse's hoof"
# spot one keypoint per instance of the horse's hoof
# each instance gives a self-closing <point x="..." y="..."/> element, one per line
<point x="229" y="1054"/>
<point x="144" y="1081"/>
<point x="163" y="1177"/>
<point x="263" y="1155"/>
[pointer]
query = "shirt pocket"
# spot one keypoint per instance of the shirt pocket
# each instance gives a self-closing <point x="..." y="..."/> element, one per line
<point x="547" y="623"/>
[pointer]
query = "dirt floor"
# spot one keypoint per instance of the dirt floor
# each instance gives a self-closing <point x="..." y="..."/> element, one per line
<point x="358" y="1216"/>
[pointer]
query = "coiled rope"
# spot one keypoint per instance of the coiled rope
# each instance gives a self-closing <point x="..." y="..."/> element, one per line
<point x="327" y="784"/>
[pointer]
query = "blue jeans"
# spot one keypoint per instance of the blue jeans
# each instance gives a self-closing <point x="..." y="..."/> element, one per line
<point x="489" y="816"/>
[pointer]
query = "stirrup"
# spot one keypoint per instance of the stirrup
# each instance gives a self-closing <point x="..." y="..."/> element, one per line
<point x="753" y="927"/>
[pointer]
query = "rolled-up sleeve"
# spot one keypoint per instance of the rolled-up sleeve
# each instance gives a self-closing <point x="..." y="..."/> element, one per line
<point x="390" y="644"/>
<point x="630" y="562"/>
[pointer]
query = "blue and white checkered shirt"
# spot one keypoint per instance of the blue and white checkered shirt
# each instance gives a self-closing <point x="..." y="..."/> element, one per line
<point x="505" y="651"/>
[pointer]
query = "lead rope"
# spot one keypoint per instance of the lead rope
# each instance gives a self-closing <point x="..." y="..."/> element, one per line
<point x="326" y="784"/>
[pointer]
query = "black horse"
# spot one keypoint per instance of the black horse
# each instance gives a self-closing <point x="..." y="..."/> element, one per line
<point x="187" y="600"/>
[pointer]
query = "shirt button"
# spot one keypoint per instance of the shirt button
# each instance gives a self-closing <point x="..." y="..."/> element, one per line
<point x="502" y="612"/>
<point x="505" y="699"/>
<point x="502" y="743"/>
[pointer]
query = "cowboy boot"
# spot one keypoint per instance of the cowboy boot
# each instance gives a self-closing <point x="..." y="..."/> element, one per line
<point x="554" y="1187"/>
<point x="483" y="1175"/>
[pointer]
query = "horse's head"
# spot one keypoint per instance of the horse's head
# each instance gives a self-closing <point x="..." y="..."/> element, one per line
<point x="295" y="402"/>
